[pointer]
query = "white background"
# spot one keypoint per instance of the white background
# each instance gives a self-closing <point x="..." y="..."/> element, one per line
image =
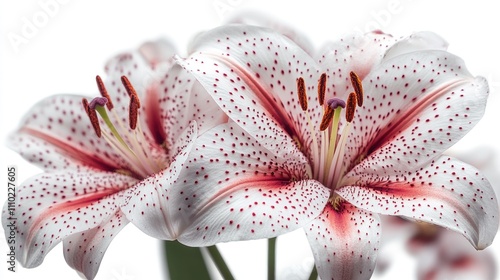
<point x="70" y="47"/>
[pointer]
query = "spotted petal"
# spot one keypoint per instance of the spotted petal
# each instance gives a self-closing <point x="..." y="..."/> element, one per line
<point x="358" y="53"/>
<point x="52" y="206"/>
<point x="84" y="251"/>
<point x="144" y="79"/>
<point x="235" y="189"/>
<point x="361" y="53"/>
<point x="183" y="99"/>
<point x="344" y="242"/>
<point x="417" y="105"/>
<point x="149" y="205"/>
<point x="56" y="134"/>
<point x="259" y="19"/>
<point x="447" y="193"/>
<point x="251" y="73"/>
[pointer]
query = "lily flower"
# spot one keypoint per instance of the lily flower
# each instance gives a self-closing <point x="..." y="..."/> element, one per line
<point x="107" y="160"/>
<point x="441" y="255"/>
<point x="329" y="145"/>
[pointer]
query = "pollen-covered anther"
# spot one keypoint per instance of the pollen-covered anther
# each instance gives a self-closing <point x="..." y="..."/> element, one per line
<point x="322" y="89"/>
<point x="301" y="90"/>
<point x="133" y="111"/>
<point x="91" y="113"/>
<point x="350" y="107"/>
<point x="327" y="118"/>
<point x="358" y="87"/>
<point x="130" y="90"/>
<point x="104" y="92"/>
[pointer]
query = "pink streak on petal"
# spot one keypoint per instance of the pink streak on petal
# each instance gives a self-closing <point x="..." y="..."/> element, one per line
<point x="266" y="97"/>
<point x="261" y="182"/>
<point x="153" y="118"/>
<point x="72" y="151"/>
<point x="66" y="207"/>
<point x="409" y="116"/>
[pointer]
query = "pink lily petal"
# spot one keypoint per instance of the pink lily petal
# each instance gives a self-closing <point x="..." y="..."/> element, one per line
<point x="417" y="105"/>
<point x="183" y="99"/>
<point x="148" y="205"/>
<point x="447" y="193"/>
<point x="56" y="134"/>
<point x="251" y="73"/>
<point x="52" y="206"/>
<point x="259" y="19"/>
<point x="224" y="201"/>
<point x="344" y="242"/>
<point x="84" y="251"/>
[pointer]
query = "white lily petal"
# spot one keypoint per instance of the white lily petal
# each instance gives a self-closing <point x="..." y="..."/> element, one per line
<point x="232" y="188"/>
<point x="159" y="53"/>
<point x="259" y="19"/>
<point x="447" y="193"/>
<point x="419" y="41"/>
<point x="183" y="99"/>
<point x="148" y="205"/>
<point x="56" y="134"/>
<point x="358" y="53"/>
<point x="417" y="105"/>
<point x="84" y="251"/>
<point x="251" y="73"/>
<point x="145" y="79"/>
<point x="52" y="206"/>
<point x="345" y="242"/>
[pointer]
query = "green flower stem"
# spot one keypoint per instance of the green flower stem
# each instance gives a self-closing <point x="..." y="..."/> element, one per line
<point x="314" y="273"/>
<point x="185" y="262"/>
<point x="219" y="262"/>
<point x="271" y="258"/>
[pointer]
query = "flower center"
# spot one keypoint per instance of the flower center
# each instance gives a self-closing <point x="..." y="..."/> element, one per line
<point x="128" y="142"/>
<point x="328" y="147"/>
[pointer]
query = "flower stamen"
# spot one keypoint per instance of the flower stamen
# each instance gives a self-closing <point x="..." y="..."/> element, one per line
<point x="92" y="116"/>
<point x="322" y="89"/>
<point x="104" y="92"/>
<point x="350" y="107"/>
<point x="327" y="118"/>
<point x="301" y="90"/>
<point x="130" y="90"/>
<point x="358" y="87"/>
<point x="128" y="142"/>
<point x="337" y="202"/>
<point x="133" y="112"/>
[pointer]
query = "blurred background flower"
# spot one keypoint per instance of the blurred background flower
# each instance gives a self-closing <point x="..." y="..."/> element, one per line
<point x="56" y="46"/>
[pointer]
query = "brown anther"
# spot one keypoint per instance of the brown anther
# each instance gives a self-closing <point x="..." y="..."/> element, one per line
<point x="91" y="113"/>
<point x="130" y="90"/>
<point x="301" y="89"/>
<point x="133" y="111"/>
<point x="85" y="104"/>
<point x="358" y="87"/>
<point x="327" y="118"/>
<point x="104" y="92"/>
<point x="322" y="89"/>
<point x="350" y="107"/>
